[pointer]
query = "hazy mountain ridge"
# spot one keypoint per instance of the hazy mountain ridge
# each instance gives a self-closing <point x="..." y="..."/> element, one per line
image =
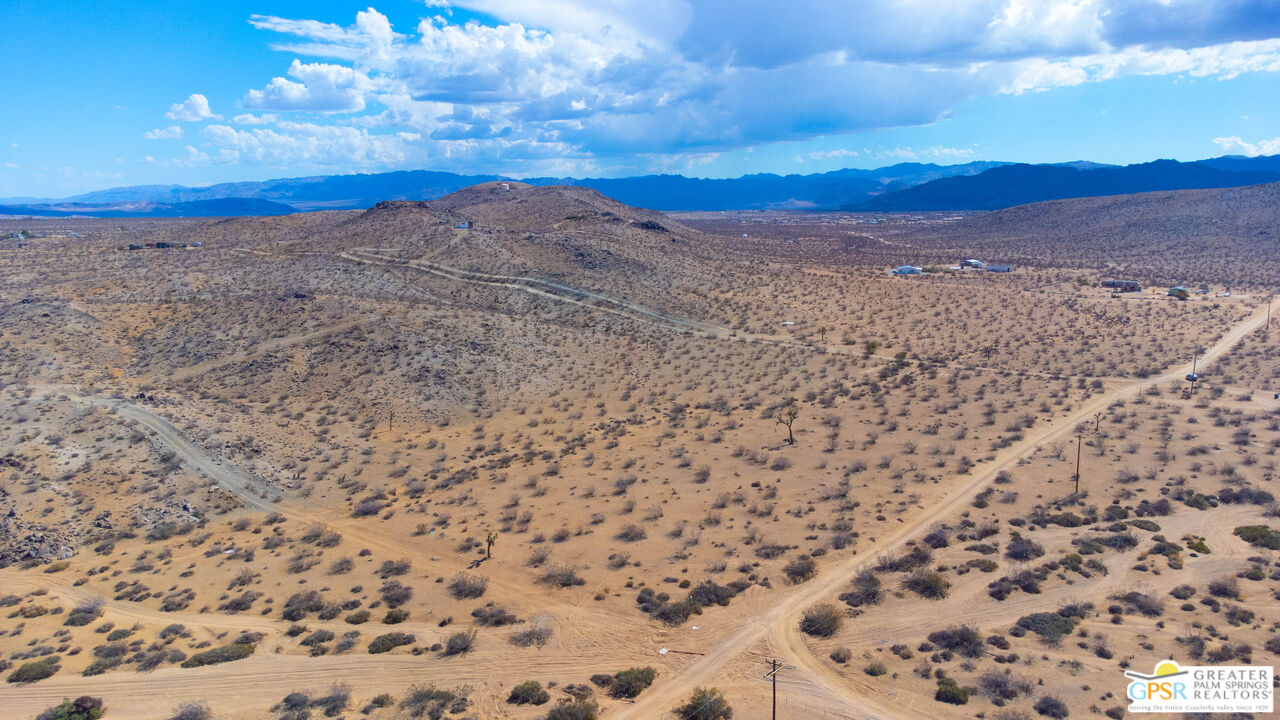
<point x="664" y="192"/>
<point x="1012" y="185"/>
<point x="979" y="185"/>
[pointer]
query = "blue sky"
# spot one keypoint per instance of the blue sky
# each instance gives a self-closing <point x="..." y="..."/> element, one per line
<point x="124" y="93"/>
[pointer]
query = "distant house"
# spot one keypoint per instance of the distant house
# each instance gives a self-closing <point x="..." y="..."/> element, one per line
<point x="908" y="270"/>
<point x="135" y="246"/>
<point x="506" y="186"/>
<point x="999" y="268"/>
<point x="1178" y="292"/>
<point x="195" y="244"/>
<point x="163" y="245"/>
<point x="463" y="225"/>
<point x="1122" y="285"/>
<point x="973" y="263"/>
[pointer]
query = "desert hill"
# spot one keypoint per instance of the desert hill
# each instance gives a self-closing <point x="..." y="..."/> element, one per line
<point x="1225" y="236"/>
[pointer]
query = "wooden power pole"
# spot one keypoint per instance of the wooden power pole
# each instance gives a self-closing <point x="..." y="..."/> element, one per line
<point x="1079" y="440"/>
<point x="772" y="676"/>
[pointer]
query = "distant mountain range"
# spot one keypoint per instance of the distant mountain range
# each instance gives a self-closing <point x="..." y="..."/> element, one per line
<point x="1011" y="185"/>
<point x="902" y="187"/>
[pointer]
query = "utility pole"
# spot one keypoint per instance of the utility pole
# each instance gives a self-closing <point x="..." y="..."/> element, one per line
<point x="772" y="676"/>
<point x="391" y="414"/>
<point x="1079" y="439"/>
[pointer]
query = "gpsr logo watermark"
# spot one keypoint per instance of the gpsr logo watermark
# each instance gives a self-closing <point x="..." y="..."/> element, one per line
<point x="1202" y="689"/>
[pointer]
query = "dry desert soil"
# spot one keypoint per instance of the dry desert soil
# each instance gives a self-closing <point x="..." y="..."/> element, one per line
<point x="576" y="459"/>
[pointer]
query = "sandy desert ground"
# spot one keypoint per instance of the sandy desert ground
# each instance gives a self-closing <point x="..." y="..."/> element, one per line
<point x="262" y="475"/>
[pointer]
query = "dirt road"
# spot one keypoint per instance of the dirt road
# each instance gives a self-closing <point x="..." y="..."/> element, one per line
<point x="255" y="491"/>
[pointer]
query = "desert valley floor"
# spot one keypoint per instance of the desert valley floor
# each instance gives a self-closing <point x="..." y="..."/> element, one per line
<point x="266" y="473"/>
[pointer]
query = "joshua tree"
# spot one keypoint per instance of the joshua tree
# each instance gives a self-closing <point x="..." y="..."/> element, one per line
<point x="489" y="540"/>
<point x="787" y="416"/>
<point x="869" y="347"/>
<point x="822" y="332"/>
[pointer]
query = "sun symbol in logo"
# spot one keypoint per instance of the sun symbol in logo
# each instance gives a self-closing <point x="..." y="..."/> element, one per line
<point x="1166" y="668"/>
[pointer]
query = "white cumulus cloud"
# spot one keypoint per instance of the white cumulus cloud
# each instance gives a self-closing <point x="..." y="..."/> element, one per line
<point x="321" y="87"/>
<point x="600" y="83"/>
<point x="1236" y="145"/>
<point x="194" y="108"/>
<point x="170" y="133"/>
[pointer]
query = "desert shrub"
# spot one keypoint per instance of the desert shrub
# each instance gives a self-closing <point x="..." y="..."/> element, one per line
<point x="1226" y="587"/>
<point x="822" y="620"/>
<point x="866" y="590"/>
<point x="84" y="613"/>
<point x="394" y="568"/>
<point x="630" y="533"/>
<point x="1245" y="495"/>
<point x="240" y="603"/>
<point x="1182" y="592"/>
<point x="841" y="655"/>
<point x="226" y="653"/>
<point x="528" y="693"/>
<point x="358" y="617"/>
<point x="1051" y="707"/>
<point x="429" y="701"/>
<point x="1260" y="536"/>
<point x="631" y="682"/>
<point x="300" y="604"/>
<point x="709" y="593"/>
<point x="36" y="670"/>
<point x="562" y="576"/>
<point x="460" y="643"/>
<point x="82" y="708"/>
<point x="917" y="557"/>
<point x="465" y="586"/>
<point x="1237" y="615"/>
<point x="533" y="635"/>
<point x="335" y="702"/>
<point x="317" y="638"/>
<point x="1051" y="627"/>
<point x="1004" y="685"/>
<point x="577" y="709"/>
<point x="192" y="711"/>
<point x="389" y="642"/>
<point x="492" y="615"/>
<point x="395" y="616"/>
<point x="927" y="583"/>
<point x="705" y="704"/>
<point x="395" y="593"/>
<point x="1149" y="604"/>
<point x="950" y="692"/>
<point x="800" y="569"/>
<point x="1023" y="548"/>
<point x="963" y="640"/>
<point x="875" y="669"/>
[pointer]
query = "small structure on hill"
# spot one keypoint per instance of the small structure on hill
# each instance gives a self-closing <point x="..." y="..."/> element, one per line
<point x="999" y="268"/>
<point x="973" y="263"/>
<point x="1178" y="292"/>
<point x="908" y="270"/>
<point x="1122" y="285"/>
<point x="464" y="225"/>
